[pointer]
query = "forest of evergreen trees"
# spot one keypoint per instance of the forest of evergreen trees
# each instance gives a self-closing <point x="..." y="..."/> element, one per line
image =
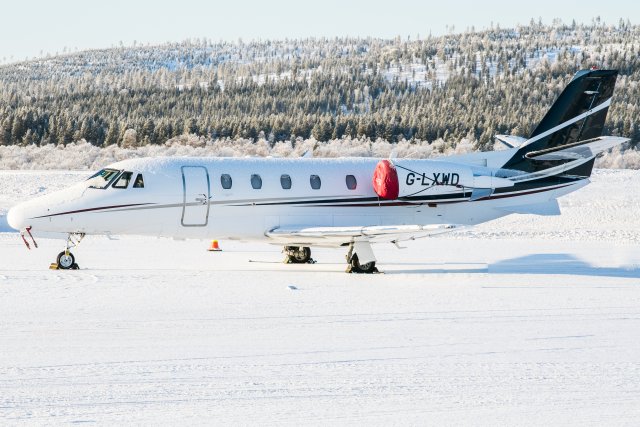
<point x="471" y="85"/>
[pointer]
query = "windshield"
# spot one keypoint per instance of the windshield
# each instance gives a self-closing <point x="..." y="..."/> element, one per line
<point x="102" y="179"/>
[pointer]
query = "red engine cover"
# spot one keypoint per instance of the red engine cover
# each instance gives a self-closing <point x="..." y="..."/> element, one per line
<point x="385" y="180"/>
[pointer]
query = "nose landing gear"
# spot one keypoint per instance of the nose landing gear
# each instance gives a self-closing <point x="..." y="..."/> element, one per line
<point x="65" y="259"/>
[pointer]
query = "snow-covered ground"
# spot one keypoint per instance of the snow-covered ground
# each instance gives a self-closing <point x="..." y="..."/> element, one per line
<point x="526" y="320"/>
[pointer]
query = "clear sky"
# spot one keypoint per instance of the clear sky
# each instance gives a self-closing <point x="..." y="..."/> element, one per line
<point x="35" y="27"/>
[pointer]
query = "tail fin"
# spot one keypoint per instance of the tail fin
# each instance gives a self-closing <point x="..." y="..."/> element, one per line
<point x="577" y="115"/>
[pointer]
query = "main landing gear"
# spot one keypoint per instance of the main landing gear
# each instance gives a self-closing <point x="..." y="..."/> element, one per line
<point x="360" y="258"/>
<point x="298" y="255"/>
<point x="354" y="263"/>
<point x="65" y="259"/>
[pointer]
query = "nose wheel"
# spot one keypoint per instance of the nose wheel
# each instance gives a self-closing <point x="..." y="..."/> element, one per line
<point x="66" y="261"/>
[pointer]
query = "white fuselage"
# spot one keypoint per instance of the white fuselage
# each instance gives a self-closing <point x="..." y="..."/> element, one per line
<point x="185" y="198"/>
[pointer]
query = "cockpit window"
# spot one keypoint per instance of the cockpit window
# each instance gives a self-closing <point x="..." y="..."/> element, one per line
<point x="102" y="179"/>
<point x="123" y="181"/>
<point x="139" y="182"/>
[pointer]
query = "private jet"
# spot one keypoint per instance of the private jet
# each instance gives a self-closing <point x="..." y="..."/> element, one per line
<point x="343" y="202"/>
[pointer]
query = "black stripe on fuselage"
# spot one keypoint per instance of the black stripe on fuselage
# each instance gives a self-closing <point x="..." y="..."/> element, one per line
<point x="96" y="209"/>
<point x="386" y="203"/>
<point x="538" y="184"/>
<point x="374" y="201"/>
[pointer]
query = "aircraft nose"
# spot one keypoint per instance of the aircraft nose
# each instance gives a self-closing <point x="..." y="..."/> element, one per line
<point x="16" y="218"/>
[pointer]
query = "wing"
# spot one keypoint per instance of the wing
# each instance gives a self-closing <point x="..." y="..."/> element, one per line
<point x="336" y="236"/>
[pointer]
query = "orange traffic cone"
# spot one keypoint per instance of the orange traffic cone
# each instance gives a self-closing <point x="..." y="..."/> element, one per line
<point x="214" y="246"/>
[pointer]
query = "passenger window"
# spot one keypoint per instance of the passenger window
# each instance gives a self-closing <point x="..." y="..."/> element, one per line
<point x="315" y="182"/>
<point x="285" y="181"/>
<point x="139" y="182"/>
<point x="123" y="181"/>
<point x="351" y="182"/>
<point x="226" y="181"/>
<point x="256" y="181"/>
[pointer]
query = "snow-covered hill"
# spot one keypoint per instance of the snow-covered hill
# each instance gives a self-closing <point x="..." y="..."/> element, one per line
<point x="470" y="85"/>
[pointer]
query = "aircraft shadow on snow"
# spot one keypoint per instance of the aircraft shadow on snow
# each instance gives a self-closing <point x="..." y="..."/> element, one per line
<point x="547" y="264"/>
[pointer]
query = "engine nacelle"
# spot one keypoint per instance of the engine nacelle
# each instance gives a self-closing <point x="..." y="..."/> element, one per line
<point x="404" y="178"/>
<point x="428" y="177"/>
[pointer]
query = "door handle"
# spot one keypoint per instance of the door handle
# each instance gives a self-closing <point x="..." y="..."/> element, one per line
<point x="204" y="199"/>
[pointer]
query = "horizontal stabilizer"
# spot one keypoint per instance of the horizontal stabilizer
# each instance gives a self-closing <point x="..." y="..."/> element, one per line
<point x="579" y="150"/>
<point x="511" y="141"/>
<point x="548" y="208"/>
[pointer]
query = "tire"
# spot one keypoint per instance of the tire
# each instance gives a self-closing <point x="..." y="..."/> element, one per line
<point x="367" y="268"/>
<point x="298" y="255"/>
<point x="65" y="260"/>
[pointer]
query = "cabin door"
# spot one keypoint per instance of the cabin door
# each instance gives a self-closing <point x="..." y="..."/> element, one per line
<point x="195" y="203"/>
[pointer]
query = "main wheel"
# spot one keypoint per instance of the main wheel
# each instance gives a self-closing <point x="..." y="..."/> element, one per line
<point x="298" y="255"/>
<point x="65" y="260"/>
<point x="356" y="267"/>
